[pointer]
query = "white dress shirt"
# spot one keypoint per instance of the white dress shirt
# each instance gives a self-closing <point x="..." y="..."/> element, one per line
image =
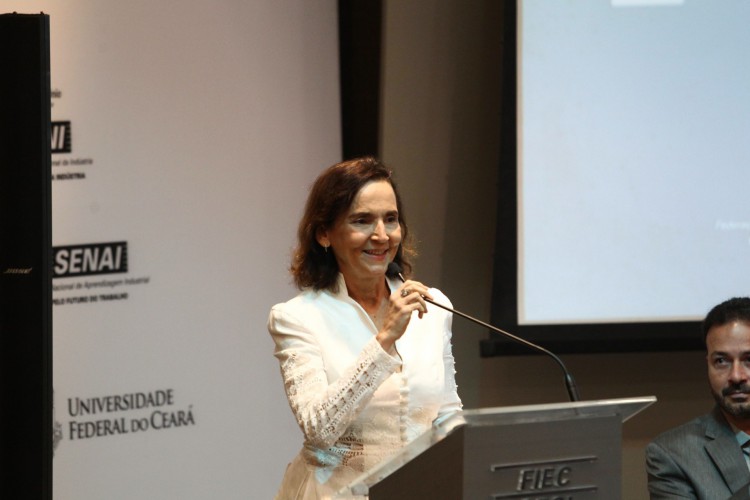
<point x="354" y="405"/>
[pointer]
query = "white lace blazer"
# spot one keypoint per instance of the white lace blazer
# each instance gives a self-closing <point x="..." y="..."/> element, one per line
<point x="353" y="404"/>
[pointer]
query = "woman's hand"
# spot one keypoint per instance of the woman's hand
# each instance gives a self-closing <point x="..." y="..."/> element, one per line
<point x="406" y="299"/>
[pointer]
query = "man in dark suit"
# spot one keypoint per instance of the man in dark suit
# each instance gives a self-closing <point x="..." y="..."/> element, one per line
<point x="706" y="458"/>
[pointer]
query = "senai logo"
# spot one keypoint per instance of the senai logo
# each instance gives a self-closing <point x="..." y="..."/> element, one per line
<point x="61" y="137"/>
<point x="94" y="258"/>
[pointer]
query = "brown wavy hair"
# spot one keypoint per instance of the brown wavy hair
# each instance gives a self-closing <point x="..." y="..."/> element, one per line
<point x="330" y="198"/>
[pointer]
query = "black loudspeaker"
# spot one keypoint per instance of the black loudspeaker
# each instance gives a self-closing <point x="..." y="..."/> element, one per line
<point x="25" y="257"/>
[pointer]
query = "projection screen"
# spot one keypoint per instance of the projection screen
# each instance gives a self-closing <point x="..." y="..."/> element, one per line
<point x="632" y="170"/>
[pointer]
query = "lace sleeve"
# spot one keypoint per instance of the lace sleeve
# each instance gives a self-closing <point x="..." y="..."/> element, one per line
<point x="324" y="411"/>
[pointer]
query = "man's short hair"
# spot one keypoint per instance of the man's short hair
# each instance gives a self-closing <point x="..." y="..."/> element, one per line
<point x="734" y="309"/>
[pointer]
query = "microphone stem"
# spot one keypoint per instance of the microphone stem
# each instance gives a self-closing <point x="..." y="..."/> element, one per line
<point x="570" y="384"/>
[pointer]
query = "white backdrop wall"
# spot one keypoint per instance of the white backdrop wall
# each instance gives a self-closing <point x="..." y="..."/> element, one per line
<point x="195" y="129"/>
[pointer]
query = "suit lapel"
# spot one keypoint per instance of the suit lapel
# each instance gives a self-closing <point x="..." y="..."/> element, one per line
<point x="724" y="451"/>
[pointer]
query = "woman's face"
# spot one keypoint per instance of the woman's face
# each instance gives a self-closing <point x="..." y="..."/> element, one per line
<point x="365" y="239"/>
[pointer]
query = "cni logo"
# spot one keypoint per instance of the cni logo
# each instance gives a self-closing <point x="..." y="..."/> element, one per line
<point x="61" y="137"/>
<point x="95" y="258"/>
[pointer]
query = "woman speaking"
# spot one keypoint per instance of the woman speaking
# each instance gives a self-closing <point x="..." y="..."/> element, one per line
<point x="365" y="365"/>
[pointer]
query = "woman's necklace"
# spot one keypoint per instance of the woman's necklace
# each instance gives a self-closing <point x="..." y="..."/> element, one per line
<point x="377" y="316"/>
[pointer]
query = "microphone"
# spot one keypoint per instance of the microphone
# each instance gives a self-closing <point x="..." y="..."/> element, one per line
<point x="395" y="270"/>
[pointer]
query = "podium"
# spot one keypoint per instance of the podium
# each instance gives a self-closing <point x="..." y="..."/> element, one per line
<point x="551" y="451"/>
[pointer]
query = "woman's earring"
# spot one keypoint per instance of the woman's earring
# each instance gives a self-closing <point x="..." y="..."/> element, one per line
<point x="326" y="249"/>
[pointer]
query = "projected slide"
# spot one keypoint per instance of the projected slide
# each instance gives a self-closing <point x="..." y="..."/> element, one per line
<point x="634" y="159"/>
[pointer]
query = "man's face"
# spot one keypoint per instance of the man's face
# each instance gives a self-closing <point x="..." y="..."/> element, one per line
<point x="728" y="348"/>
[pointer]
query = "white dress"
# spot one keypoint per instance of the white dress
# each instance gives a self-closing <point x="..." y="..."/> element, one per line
<point x="353" y="404"/>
